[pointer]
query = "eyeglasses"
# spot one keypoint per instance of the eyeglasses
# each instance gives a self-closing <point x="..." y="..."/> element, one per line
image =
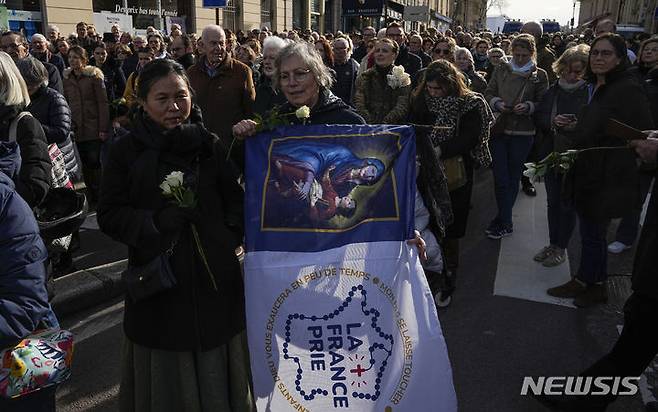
<point x="603" y="53"/>
<point x="297" y="75"/>
<point x="442" y="51"/>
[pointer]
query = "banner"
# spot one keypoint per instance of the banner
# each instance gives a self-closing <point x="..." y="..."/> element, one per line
<point x="339" y="313"/>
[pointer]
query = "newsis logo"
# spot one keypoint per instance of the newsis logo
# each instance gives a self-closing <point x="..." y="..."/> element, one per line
<point x="580" y="385"/>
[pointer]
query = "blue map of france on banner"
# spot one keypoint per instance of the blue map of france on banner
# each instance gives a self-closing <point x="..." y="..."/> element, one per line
<point x="339" y="313"/>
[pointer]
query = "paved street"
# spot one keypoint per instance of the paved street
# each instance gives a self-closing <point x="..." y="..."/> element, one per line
<point x="500" y="327"/>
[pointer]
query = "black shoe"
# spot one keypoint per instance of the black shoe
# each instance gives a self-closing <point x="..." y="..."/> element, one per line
<point x="528" y="187"/>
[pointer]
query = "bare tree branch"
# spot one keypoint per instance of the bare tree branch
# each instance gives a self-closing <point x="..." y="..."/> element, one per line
<point x="497" y="4"/>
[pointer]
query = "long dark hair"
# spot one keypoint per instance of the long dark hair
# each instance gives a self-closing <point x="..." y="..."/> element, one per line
<point x="447" y="75"/>
<point x="619" y="45"/>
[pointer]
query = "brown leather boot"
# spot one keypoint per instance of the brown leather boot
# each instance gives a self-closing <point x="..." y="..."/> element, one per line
<point x="570" y="290"/>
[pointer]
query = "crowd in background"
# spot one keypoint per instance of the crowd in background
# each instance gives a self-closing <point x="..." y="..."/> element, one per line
<point x="125" y="110"/>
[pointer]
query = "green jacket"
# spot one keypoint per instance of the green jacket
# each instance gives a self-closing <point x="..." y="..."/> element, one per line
<point x="512" y="88"/>
<point x="377" y="102"/>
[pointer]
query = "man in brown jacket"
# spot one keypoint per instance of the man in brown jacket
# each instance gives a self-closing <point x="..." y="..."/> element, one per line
<point x="223" y="86"/>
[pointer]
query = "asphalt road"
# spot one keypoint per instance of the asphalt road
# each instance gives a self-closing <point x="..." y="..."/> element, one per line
<point x="493" y="341"/>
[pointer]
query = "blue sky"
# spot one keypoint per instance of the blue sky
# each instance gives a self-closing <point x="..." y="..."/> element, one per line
<point x="559" y="10"/>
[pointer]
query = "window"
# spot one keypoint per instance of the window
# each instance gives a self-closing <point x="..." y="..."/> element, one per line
<point x="266" y="14"/>
<point x="230" y="16"/>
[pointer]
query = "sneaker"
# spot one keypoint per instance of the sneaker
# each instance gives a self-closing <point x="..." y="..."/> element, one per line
<point x="543" y="254"/>
<point x="442" y="300"/>
<point x="556" y="257"/>
<point x="617" y="247"/>
<point x="570" y="290"/>
<point x="501" y="232"/>
<point x="493" y="226"/>
<point x="593" y="295"/>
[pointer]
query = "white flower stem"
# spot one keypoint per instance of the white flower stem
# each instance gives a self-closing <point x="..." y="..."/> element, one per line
<point x="202" y="254"/>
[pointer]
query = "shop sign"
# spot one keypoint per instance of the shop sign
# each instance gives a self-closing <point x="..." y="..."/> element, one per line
<point x="23" y="15"/>
<point x="417" y="13"/>
<point x="363" y="7"/>
<point x="213" y="4"/>
<point x="144" y="11"/>
<point x="105" y="20"/>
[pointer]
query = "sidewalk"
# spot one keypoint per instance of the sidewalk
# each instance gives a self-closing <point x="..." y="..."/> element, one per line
<point x="88" y="287"/>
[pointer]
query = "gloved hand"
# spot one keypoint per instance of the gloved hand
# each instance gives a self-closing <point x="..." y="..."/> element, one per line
<point x="173" y="219"/>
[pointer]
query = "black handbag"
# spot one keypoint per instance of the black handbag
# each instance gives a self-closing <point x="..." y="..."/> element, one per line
<point x="150" y="279"/>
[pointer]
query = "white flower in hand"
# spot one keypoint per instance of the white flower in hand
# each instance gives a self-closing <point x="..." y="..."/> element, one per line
<point x="303" y="112"/>
<point x="174" y="179"/>
<point x="166" y="189"/>
<point x="530" y="171"/>
<point x="398" y="71"/>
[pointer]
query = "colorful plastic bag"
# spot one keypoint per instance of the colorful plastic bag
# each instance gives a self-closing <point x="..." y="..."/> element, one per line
<point x="41" y="360"/>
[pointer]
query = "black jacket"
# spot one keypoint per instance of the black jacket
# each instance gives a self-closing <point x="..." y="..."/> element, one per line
<point x="52" y="111"/>
<point x="645" y="280"/>
<point x="54" y="77"/>
<point x="345" y="80"/>
<point x="411" y="63"/>
<point x="649" y="79"/>
<point x="605" y="182"/>
<point x="266" y="97"/>
<point x="34" y="178"/>
<point x="129" y="65"/>
<point x="360" y="52"/>
<point x="114" y="79"/>
<point x="328" y="110"/>
<point x="187" y="60"/>
<point x="425" y="58"/>
<point x="192" y="315"/>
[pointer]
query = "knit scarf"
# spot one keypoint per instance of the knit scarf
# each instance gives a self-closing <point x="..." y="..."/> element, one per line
<point x="527" y="68"/>
<point x="448" y="112"/>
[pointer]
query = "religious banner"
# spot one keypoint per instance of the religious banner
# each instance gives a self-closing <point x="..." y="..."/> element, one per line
<point x="339" y="313"/>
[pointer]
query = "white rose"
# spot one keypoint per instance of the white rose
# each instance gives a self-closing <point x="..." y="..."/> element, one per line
<point x="166" y="189"/>
<point x="174" y="179"/>
<point x="529" y="173"/>
<point x="398" y="71"/>
<point x="405" y="80"/>
<point x="303" y="112"/>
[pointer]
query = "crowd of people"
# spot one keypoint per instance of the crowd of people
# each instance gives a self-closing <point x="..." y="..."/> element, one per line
<point x="125" y="111"/>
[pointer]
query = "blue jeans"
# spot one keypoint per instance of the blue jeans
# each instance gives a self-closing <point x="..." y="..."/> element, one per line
<point x="508" y="154"/>
<point x="561" y="218"/>
<point x="593" y="266"/>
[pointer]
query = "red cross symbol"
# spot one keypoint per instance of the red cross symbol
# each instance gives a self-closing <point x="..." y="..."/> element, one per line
<point x="358" y="370"/>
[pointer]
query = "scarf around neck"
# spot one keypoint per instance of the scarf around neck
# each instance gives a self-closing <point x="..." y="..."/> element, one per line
<point x="569" y="87"/>
<point x="527" y="68"/>
<point x="448" y="112"/>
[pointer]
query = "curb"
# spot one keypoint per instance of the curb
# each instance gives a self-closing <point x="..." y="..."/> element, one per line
<point x="89" y="287"/>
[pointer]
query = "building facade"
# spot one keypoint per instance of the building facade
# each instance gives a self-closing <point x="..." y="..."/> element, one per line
<point x="628" y="14"/>
<point x="470" y="14"/>
<point x="32" y="16"/>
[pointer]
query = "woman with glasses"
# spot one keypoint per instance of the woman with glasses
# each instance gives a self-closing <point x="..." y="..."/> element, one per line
<point x="513" y="93"/>
<point x="382" y="93"/>
<point x="495" y="56"/>
<point x="460" y="140"/>
<point x="444" y="49"/>
<point x="603" y="184"/>
<point x="304" y="80"/>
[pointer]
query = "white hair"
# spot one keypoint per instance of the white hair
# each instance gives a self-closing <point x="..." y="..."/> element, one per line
<point x="211" y="28"/>
<point x="273" y="42"/>
<point x="13" y="90"/>
<point x="462" y="50"/>
<point x="39" y="36"/>
<point x="52" y="27"/>
<point x="311" y="58"/>
<point x="348" y="43"/>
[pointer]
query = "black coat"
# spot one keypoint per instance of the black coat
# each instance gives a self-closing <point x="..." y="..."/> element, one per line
<point x="328" y="110"/>
<point x="54" y="77"/>
<point x="604" y="184"/>
<point x="192" y="315"/>
<point x="649" y="79"/>
<point x="114" y="79"/>
<point x="266" y="97"/>
<point x="187" y="60"/>
<point x="34" y="178"/>
<point x="54" y="114"/>
<point x="345" y="80"/>
<point x="129" y="66"/>
<point x="411" y="63"/>
<point x="645" y="281"/>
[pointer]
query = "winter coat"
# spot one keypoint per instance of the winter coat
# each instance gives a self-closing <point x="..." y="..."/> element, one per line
<point x="23" y="297"/>
<point x="475" y="81"/>
<point x="225" y="98"/>
<point x="649" y="79"/>
<point x="51" y="110"/>
<point x="604" y="184"/>
<point x="129" y="65"/>
<point x="88" y="102"/>
<point x="408" y="60"/>
<point x="328" y="110"/>
<point x="345" y="80"/>
<point x="130" y="92"/>
<point x="54" y="59"/>
<point x="644" y="280"/>
<point x="425" y="58"/>
<point x="376" y="101"/>
<point x="187" y="60"/>
<point x="191" y="315"/>
<point x="558" y="101"/>
<point x="545" y="60"/>
<point x="506" y="86"/>
<point x="114" y="79"/>
<point x="267" y="97"/>
<point x="34" y="177"/>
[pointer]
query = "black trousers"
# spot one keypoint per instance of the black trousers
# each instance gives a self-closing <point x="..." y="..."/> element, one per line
<point x="634" y="350"/>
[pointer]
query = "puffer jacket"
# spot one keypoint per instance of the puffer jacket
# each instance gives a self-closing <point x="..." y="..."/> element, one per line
<point x="34" y="177"/>
<point x="23" y="297"/>
<point x="512" y="88"/>
<point x="50" y="108"/>
<point x="376" y="101"/>
<point x="88" y="102"/>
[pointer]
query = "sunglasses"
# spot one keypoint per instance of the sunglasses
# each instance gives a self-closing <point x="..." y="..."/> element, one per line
<point x="442" y="51"/>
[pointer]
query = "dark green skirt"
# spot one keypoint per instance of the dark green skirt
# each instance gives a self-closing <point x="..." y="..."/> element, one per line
<point x="156" y="380"/>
